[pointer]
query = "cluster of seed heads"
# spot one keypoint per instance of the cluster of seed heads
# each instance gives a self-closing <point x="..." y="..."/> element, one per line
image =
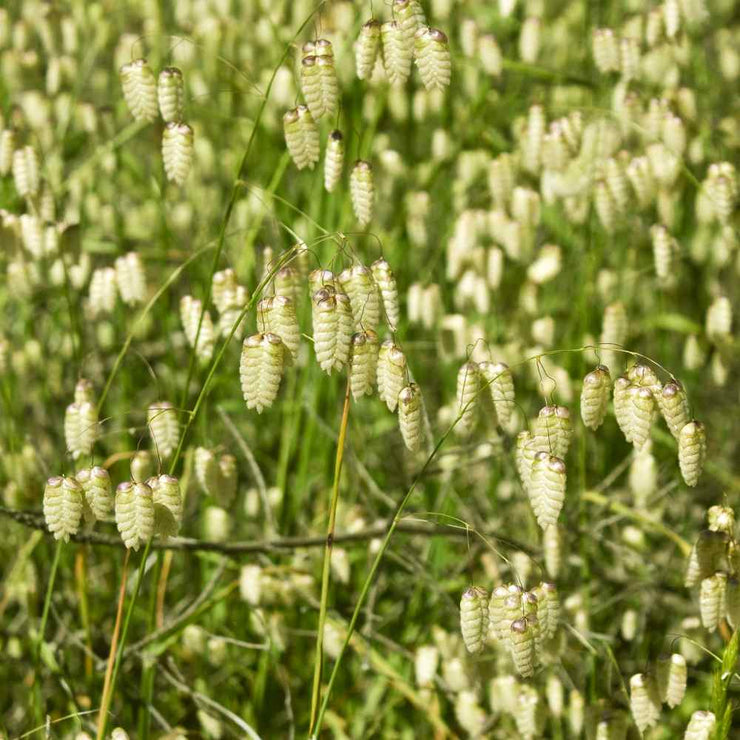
<point x="714" y="566"/>
<point x="523" y="621"/>
<point x="147" y="97"/>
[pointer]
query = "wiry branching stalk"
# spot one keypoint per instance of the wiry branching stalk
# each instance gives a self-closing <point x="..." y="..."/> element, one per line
<point x="326" y="570"/>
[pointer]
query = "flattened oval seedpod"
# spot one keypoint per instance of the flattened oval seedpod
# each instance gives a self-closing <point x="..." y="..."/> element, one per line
<point x="674" y="406"/>
<point x="623" y="406"/>
<point x="161" y="418"/>
<point x="410" y="18"/>
<point x="277" y="314"/>
<point x="692" y="450"/>
<point x="642" y="413"/>
<point x="701" y="726"/>
<point x="206" y="470"/>
<point x="386" y="282"/>
<point x="521" y="639"/>
<point x="498" y="626"/>
<point x="468" y="388"/>
<point x="134" y="513"/>
<point x="547" y="488"/>
<point x="333" y="160"/>
<point x="552" y="546"/>
<point x="410" y="416"/>
<point x="362" y="191"/>
<point x="131" y="278"/>
<point x="432" y="53"/>
<point x="553" y="430"/>
<point x="474" y="618"/>
<point x="721" y="519"/>
<point x="644" y="702"/>
<point x="552" y="602"/>
<point x="524" y="456"/>
<point x="500" y="382"/>
<point x="177" y="151"/>
<point x="708" y="555"/>
<point x="261" y="370"/>
<point x="367" y="47"/>
<point x="311" y="86"/>
<point x="392" y="373"/>
<point x="140" y="89"/>
<point x="63" y="506"/>
<point x="96" y="484"/>
<point x="595" y="397"/>
<point x="301" y="137"/>
<point x="170" y="94"/>
<point x="712" y="600"/>
<point x="671" y="678"/>
<point x="363" y="363"/>
<point x="167" y="506"/>
<point x="359" y="285"/>
<point x="397" y="55"/>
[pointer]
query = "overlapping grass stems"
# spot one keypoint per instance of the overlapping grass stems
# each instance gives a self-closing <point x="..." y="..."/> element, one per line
<point x="644" y="709"/>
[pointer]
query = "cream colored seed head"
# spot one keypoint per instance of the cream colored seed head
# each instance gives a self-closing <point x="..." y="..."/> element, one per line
<point x="623" y="406"/>
<point x="553" y="430"/>
<point x="318" y="279"/>
<point x="386" y="282"/>
<point x="362" y="191"/>
<point x="84" y="391"/>
<point x="103" y="291"/>
<point x="223" y="289"/>
<point x="498" y="626"/>
<point x="613" y="332"/>
<point x="605" y="49"/>
<point x="548" y="595"/>
<point x="359" y="284"/>
<point x="288" y="282"/>
<point x="363" y="363"/>
<point x="140" y="90"/>
<point x="552" y="546"/>
<point x="500" y="382"/>
<point x="96" y="484"/>
<point x="301" y="137"/>
<point x="674" y="406"/>
<point x="261" y="370"/>
<point x="63" y="506"/>
<point x="410" y="17"/>
<point x="397" y="54"/>
<point x="142" y="466"/>
<point x="131" y="279"/>
<point x="332" y="329"/>
<point x="644" y="702"/>
<point x="719" y="318"/>
<point x="530" y="39"/>
<point x="595" y="396"/>
<point x="524" y="456"/>
<point x="170" y="94"/>
<point x="177" y="151"/>
<point x="692" y="450"/>
<point x="7" y="147"/>
<point x="529" y="714"/>
<point x="333" y="160"/>
<point x="161" y="418"/>
<point x="732" y="602"/>
<point x="712" y="595"/>
<point x="671" y="678"/>
<point x="707" y="556"/>
<point x="410" y="410"/>
<point x="721" y="519"/>
<point x="392" y="373"/>
<point x="311" y="86"/>
<point x="474" y="618"/>
<point x="521" y="639"/>
<point x="468" y="388"/>
<point x="642" y="412"/>
<point x="367" y="48"/>
<point x="328" y="81"/>
<point x="134" y="513"/>
<point x="701" y="725"/>
<point x="190" y="313"/>
<point x="606" y="208"/>
<point x="432" y="53"/>
<point x="206" y="470"/>
<point x="547" y="488"/>
<point x="277" y="314"/>
<point x="26" y="171"/>
<point x="167" y="506"/>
